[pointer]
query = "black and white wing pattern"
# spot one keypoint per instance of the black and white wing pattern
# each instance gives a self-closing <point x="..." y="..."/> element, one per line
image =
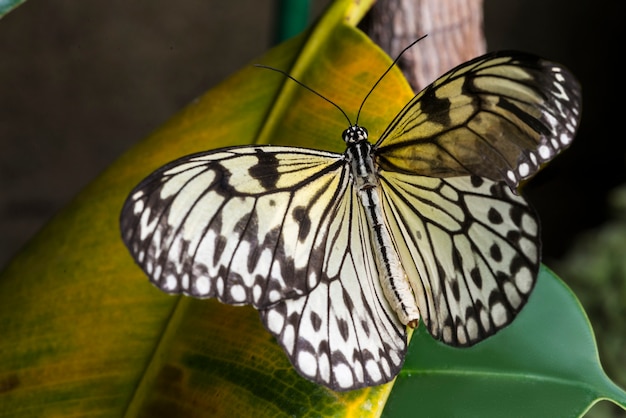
<point x="343" y="333"/>
<point x="470" y="249"/>
<point x="449" y="167"/>
<point x="500" y="116"/>
<point x="278" y="228"/>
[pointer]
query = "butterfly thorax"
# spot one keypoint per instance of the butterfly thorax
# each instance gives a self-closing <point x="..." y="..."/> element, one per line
<point x="359" y="156"/>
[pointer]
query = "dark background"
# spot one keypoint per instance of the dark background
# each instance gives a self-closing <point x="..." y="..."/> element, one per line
<point x="81" y="82"/>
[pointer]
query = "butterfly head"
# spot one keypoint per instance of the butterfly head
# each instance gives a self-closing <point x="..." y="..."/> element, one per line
<point x="354" y="134"/>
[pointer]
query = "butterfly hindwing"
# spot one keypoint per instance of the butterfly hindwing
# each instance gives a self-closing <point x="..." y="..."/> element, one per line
<point x="343" y="333"/>
<point x="500" y="116"/>
<point x="470" y="248"/>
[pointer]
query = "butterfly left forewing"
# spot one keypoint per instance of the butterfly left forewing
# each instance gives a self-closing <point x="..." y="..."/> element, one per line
<point x="500" y="116"/>
<point x="469" y="247"/>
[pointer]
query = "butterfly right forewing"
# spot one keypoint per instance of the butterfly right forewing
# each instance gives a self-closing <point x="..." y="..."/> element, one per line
<point x="500" y="116"/>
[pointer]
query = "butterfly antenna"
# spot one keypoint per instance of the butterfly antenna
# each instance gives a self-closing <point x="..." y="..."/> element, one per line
<point x="306" y="87"/>
<point x="385" y="73"/>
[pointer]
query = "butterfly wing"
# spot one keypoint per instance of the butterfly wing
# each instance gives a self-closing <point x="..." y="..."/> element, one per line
<point x="346" y="322"/>
<point x="500" y="116"/>
<point x="470" y="248"/>
<point x="242" y="224"/>
<point x="278" y="228"/>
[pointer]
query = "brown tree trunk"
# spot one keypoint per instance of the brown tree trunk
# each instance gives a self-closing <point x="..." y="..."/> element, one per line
<point x="454" y="29"/>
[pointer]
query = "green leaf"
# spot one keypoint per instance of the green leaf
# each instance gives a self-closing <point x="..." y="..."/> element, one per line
<point x="545" y="364"/>
<point x="7" y="5"/>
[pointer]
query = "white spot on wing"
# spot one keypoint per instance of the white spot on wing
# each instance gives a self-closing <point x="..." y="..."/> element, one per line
<point x="307" y="363"/>
<point x="257" y="292"/>
<point x="460" y="334"/>
<point x="498" y="314"/>
<point x="202" y="285"/>
<point x="289" y="338"/>
<point x="170" y="283"/>
<point x="565" y="139"/>
<point x="523" y="169"/>
<point x="524" y="281"/>
<point x="323" y="364"/>
<point x="238" y="293"/>
<point x="343" y="375"/>
<point x="373" y="370"/>
<point x="545" y="152"/>
<point x="511" y="175"/>
<point x="138" y="207"/>
<point x="275" y="321"/>
<point x="274" y="295"/>
<point x="185" y="281"/>
<point x="512" y="294"/>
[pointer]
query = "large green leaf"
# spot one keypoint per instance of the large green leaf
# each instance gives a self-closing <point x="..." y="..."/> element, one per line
<point x="545" y="364"/>
<point x="82" y="332"/>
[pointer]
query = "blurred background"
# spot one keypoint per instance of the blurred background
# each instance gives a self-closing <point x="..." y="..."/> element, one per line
<point x="81" y="82"/>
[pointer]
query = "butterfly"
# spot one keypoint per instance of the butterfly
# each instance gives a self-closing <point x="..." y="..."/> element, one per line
<point x="339" y="253"/>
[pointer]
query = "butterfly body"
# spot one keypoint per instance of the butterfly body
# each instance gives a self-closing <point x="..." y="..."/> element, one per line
<point x="396" y="287"/>
<point x="339" y="252"/>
